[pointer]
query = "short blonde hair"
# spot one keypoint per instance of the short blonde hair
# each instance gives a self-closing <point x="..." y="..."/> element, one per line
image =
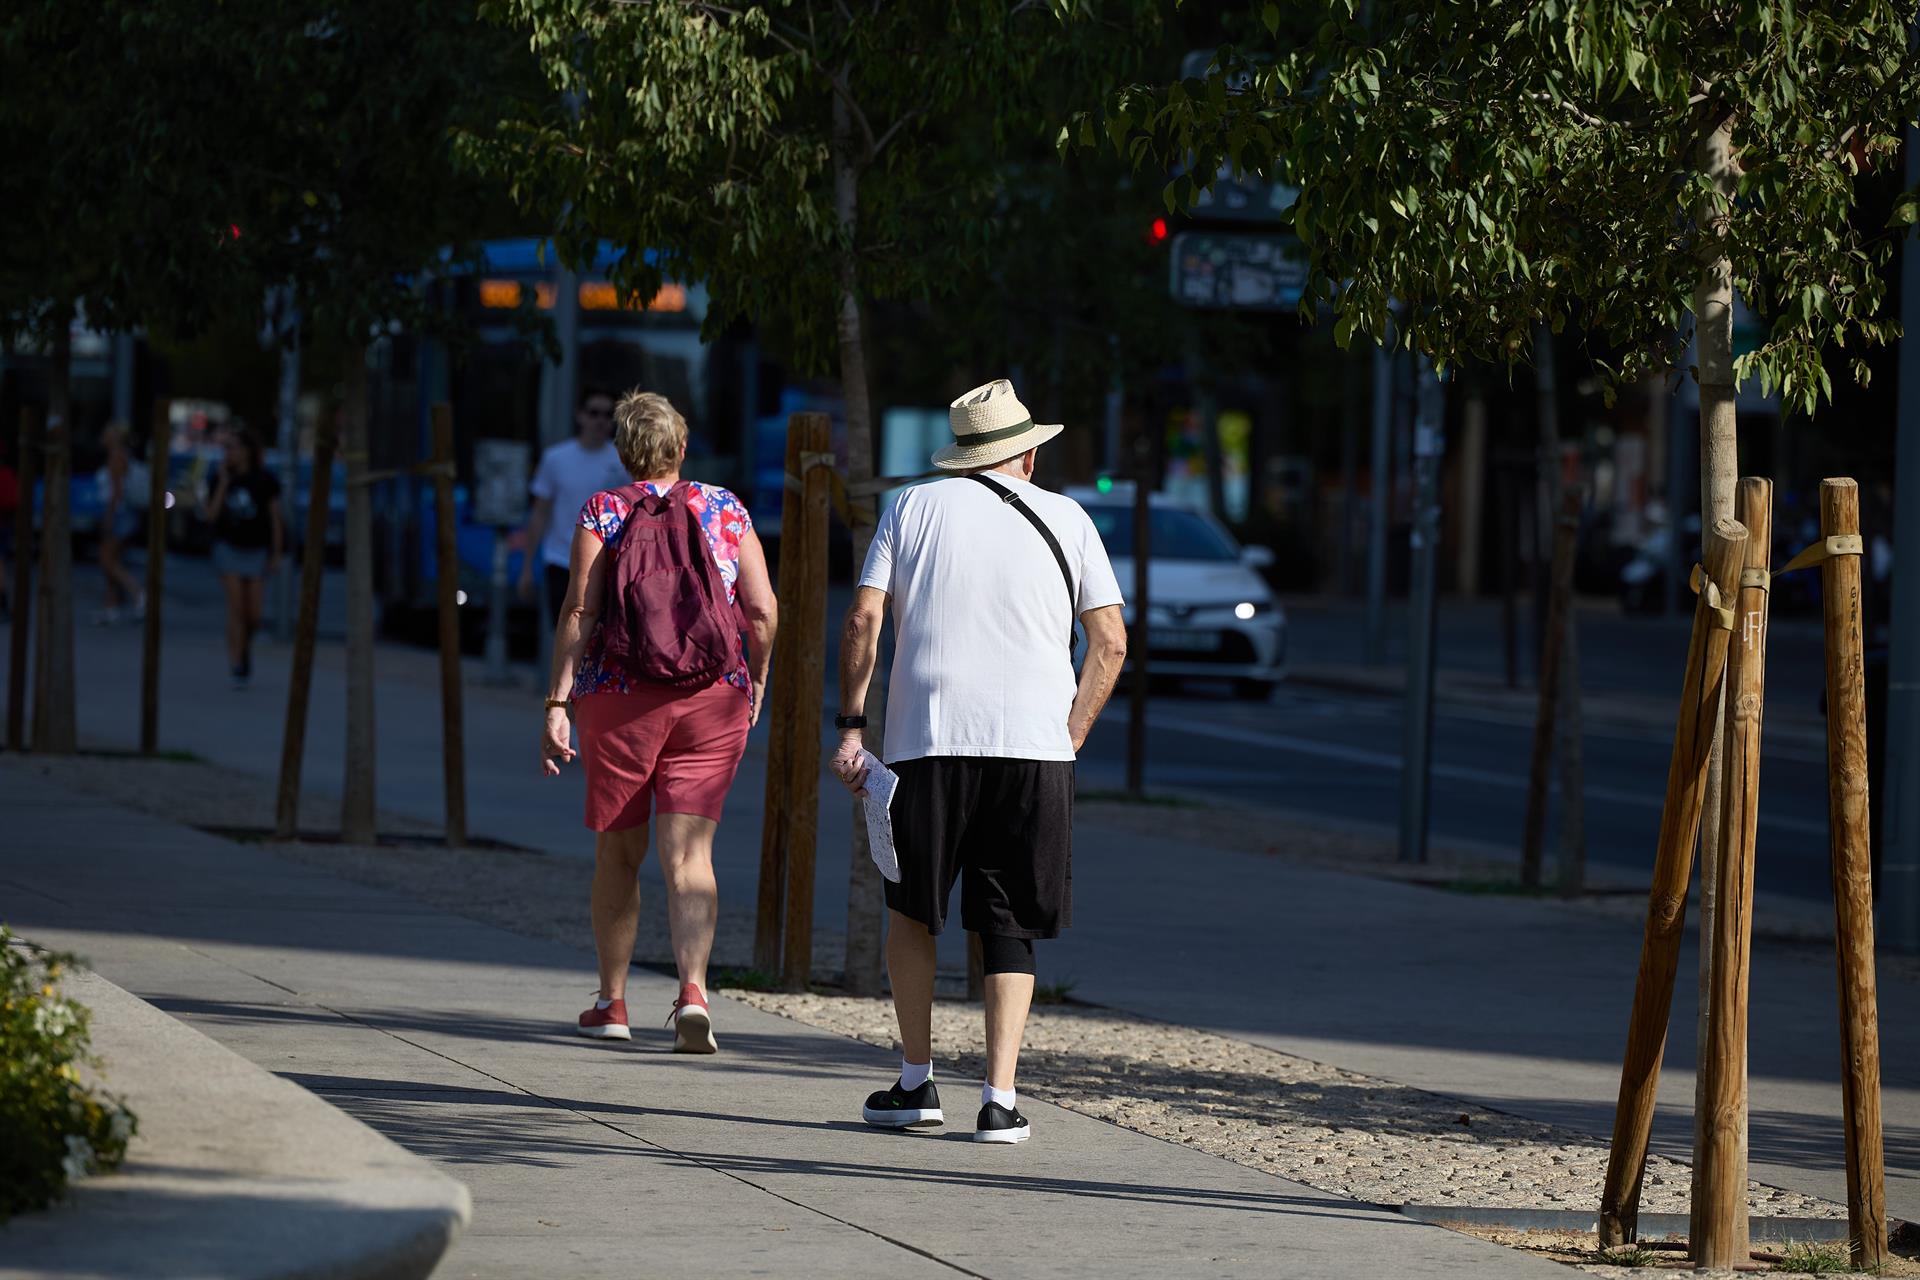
<point x="650" y="435"/>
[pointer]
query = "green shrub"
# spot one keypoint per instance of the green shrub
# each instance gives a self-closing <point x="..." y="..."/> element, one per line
<point x="53" y="1127"/>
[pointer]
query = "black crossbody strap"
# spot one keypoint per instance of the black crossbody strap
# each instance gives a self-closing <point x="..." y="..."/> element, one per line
<point x="1013" y="500"/>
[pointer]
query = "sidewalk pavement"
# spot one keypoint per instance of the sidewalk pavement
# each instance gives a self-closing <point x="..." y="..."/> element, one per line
<point x="589" y="1159"/>
<point x="232" y="1172"/>
<point x="1519" y="1005"/>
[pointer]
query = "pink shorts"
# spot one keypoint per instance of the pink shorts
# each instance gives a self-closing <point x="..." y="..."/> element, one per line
<point x="659" y="748"/>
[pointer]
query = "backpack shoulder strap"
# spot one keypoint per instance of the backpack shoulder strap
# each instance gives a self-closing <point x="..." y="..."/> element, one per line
<point x="1012" y="499"/>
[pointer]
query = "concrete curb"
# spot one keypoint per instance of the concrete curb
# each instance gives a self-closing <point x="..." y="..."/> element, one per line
<point x="234" y="1172"/>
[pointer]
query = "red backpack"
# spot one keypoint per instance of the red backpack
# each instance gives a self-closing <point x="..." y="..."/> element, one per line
<point x="667" y="619"/>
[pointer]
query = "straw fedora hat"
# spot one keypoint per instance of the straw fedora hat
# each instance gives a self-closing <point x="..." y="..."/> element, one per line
<point x="990" y="425"/>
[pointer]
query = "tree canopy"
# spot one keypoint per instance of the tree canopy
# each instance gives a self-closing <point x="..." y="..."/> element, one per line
<point x="1467" y="170"/>
<point x="701" y="139"/>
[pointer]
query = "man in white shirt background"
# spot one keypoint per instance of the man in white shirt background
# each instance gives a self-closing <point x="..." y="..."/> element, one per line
<point x="984" y="575"/>
<point x="569" y="473"/>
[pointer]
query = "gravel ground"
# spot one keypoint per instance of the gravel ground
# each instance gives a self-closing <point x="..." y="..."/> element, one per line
<point x="1331" y="1129"/>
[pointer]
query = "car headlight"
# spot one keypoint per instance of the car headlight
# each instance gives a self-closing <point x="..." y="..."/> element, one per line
<point x="1248" y="610"/>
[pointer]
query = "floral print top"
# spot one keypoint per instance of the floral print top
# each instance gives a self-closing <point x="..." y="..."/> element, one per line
<point x="723" y="518"/>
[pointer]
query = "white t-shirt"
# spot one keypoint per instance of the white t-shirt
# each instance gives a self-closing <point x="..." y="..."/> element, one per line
<point x="981" y="619"/>
<point x="567" y="476"/>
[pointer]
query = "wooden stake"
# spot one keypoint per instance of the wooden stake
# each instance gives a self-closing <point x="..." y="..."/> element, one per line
<point x="1847" y="809"/>
<point x="20" y="591"/>
<point x="453" y="749"/>
<point x="1667" y="900"/>
<point x="359" y="777"/>
<point x="779" y="714"/>
<point x="803" y="608"/>
<point x="1720" y="1178"/>
<point x="157" y="459"/>
<point x="1566" y="532"/>
<point x="313" y="552"/>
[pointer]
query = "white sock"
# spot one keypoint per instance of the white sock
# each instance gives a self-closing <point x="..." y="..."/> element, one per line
<point x="603" y="1004"/>
<point x="914" y="1074"/>
<point x="1002" y="1096"/>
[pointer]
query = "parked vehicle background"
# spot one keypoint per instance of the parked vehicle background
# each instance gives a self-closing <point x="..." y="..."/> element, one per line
<point x="1210" y="614"/>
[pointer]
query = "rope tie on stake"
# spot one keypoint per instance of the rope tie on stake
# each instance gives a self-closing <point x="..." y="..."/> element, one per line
<point x="808" y="461"/>
<point x="1839" y="544"/>
<point x="1704" y="587"/>
<point x="1761" y="578"/>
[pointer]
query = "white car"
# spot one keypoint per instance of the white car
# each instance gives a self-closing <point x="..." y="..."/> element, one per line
<point x="1209" y="612"/>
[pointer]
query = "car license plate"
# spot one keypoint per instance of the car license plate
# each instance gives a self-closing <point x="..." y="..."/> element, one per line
<point x="1166" y="638"/>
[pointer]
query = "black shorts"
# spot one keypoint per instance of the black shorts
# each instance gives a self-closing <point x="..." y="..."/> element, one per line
<point x="1003" y="828"/>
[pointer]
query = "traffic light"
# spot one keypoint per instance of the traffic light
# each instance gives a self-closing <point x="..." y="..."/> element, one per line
<point x="1157" y="232"/>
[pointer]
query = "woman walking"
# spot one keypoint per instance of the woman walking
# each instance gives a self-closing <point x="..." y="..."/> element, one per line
<point x="662" y="722"/>
<point x="249" y="535"/>
<point x="121" y="499"/>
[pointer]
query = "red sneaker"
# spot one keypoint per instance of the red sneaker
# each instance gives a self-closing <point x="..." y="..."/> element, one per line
<point x="692" y="1023"/>
<point x="609" y="1023"/>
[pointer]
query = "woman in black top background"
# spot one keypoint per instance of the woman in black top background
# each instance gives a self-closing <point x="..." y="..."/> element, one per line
<point x="249" y="535"/>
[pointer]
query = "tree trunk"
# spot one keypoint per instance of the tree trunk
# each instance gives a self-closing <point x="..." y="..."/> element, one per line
<point x="1564" y="742"/>
<point x="313" y="551"/>
<point x="55" y="728"/>
<point x="1719" y="470"/>
<point x="357" y="791"/>
<point x="865" y="913"/>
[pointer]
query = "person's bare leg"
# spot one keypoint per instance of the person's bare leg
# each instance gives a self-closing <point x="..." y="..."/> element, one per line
<point x="122" y="586"/>
<point x="254" y="591"/>
<point x="617" y="856"/>
<point x="1009" y="995"/>
<point x="236" y="618"/>
<point x="109" y="570"/>
<point x="910" y="961"/>
<point x="693" y="897"/>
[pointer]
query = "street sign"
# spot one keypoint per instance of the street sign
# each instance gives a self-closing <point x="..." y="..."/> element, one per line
<point x="500" y="481"/>
<point x="1236" y="197"/>
<point x="1237" y="271"/>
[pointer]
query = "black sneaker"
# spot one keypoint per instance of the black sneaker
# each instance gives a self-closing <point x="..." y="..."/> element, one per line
<point x="898" y="1108"/>
<point x="1000" y="1124"/>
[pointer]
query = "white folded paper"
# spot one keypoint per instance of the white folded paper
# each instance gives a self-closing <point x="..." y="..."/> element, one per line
<point x="881" y="783"/>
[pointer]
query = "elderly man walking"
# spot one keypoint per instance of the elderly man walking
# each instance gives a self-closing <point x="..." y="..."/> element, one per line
<point x="985" y="574"/>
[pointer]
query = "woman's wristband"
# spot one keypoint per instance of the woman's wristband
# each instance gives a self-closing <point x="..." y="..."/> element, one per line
<point x="565" y="703"/>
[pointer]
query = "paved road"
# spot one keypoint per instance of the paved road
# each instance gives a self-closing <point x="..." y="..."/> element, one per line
<point x="1338" y="755"/>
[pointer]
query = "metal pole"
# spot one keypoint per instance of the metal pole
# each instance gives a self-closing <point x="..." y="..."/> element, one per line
<point x="1680" y="499"/>
<point x="497" y="588"/>
<point x="1381" y="460"/>
<point x="289" y="432"/>
<point x="1429" y="442"/>
<point x="1116" y="407"/>
<point x="1343" y="576"/>
<point x="1899" y="926"/>
<point x="1145" y="480"/>
<point x="123" y="359"/>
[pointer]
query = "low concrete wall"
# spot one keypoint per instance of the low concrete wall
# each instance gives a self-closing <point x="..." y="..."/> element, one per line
<point x="234" y="1173"/>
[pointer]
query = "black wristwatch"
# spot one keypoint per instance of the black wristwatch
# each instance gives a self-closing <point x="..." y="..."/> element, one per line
<point x="849" y="722"/>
